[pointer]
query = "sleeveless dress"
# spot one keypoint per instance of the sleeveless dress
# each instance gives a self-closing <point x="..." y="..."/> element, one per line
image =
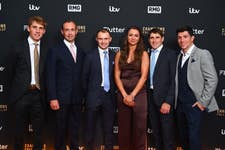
<point x="132" y="121"/>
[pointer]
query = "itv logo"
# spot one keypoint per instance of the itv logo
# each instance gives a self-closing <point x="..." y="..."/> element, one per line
<point x="114" y="9"/>
<point x="33" y="7"/>
<point x="193" y="11"/>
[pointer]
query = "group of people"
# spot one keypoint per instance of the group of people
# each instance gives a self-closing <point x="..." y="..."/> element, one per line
<point x="158" y="85"/>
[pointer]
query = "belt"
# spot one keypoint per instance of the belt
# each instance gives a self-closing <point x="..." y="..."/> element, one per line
<point x="33" y="87"/>
<point x="150" y="91"/>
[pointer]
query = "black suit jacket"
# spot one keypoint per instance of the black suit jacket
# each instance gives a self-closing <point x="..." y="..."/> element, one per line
<point x="164" y="77"/>
<point x="92" y="77"/>
<point x="64" y="75"/>
<point x="21" y="73"/>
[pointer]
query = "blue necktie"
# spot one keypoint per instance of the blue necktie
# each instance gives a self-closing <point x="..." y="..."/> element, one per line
<point x="106" y="81"/>
<point x="152" y="65"/>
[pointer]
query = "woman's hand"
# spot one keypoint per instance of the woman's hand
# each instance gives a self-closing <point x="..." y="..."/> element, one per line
<point x="129" y="100"/>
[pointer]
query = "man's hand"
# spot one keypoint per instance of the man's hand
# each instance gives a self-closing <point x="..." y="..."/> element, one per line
<point x="165" y="108"/>
<point x="199" y="105"/>
<point x="54" y="104"/>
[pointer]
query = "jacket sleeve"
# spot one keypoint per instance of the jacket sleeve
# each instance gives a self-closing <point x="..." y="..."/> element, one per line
<point x="210" y="77"/>
<point x="51" y="75"/>
<point x="171" y="92"/>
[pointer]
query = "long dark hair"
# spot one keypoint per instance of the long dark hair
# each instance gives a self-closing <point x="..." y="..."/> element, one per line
<point x="125" y="49"/>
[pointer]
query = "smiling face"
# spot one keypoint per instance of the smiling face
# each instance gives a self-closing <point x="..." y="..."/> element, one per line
<point x="185" y="40"/>
<point x="133" y="37"/>
<point x="155" y="40"/>
<point x="69" y="31"/>
<point x="103" y="39"/>
<point x="36" y="31"/>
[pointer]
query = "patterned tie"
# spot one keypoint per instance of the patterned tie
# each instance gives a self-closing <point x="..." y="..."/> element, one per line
<point x="106" y="81"/>
<point x="152" y="66"/>
<point x="72" y="51"/>
<point x="36" y="65"/>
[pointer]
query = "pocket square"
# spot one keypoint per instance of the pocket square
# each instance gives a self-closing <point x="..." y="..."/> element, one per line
<point x="192" y="60"/>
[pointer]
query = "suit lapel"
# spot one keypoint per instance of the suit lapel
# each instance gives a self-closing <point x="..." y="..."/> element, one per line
<point x="27" y="54"/>
<point x="66" y="51"/>
<point x="159" y="60"/>
<point x="193" y="56"/>
<point x="191" y="60"/>
<point x="78" y="55"/>
<point x="111" y="60"/>
<point x="98" y="59"/>
<point x="43" y="54"/>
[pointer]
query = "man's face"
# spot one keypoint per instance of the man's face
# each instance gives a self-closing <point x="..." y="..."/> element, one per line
<point x="36" y="31"/>
<point x="103" y="39"/>
<point x="69" y="31"/>
<point x="155" y="40"/>
<point x="185" y="40"/>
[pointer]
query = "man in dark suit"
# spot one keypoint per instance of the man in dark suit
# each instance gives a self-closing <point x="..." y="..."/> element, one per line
<point x="99" y="86"/>
<point x="64" y="67"/>
<point x="27" y="90"/>
<point x="195" y="84"/>
<point x="161" y="91"/>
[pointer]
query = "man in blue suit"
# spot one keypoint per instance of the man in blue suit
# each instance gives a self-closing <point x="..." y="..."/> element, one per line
<point x="64" y="67"/>
<point x="99" y="86"/>
<point x="161" y="91"/>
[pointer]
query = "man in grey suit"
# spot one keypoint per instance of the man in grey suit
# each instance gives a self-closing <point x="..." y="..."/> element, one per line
<point x="195" y="85"/>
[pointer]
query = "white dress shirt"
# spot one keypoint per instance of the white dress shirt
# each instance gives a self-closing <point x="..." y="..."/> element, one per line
<point x="186" y="55"/>
<point x="31" y="47"/>
<point x="68" y="44"/>
<point x="157" y="52"/>
<point x="101" y="54"/>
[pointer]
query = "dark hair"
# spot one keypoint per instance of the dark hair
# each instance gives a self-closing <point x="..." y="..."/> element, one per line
<point x="68" y="21"/>
<point x="156" y="30"/>
<point x="125" y="49"/>
<point x="103" y="30"/>
<point x="185" y="28"/>
<point x="37" y="19"/>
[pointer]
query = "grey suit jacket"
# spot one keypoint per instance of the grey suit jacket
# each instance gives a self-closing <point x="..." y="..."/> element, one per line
<point x="202" y="78"/>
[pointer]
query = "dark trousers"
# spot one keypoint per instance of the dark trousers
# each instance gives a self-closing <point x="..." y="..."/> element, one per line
<point x="67" y="123"/>
<point x="132" y="123"/>
<point x="107" y="112"/>
<point x="189" y="125"/>
<point x="29" y="106"/>
<point x="162" y="125"/>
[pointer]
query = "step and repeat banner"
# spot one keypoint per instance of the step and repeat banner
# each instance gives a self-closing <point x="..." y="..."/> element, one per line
<point x="207" y="18"/>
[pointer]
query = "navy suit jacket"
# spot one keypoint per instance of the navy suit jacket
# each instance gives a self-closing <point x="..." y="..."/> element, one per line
<point x="164" y="77"/>
<point x="92" y="77"/>
<point x="64" y="75"/>
<point x="21" y="65"/>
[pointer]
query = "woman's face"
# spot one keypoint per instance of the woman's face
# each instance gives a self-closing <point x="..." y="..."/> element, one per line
<point x="133" y="37"/>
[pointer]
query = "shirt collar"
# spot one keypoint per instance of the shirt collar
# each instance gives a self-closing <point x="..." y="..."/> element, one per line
<point x="68" y="43"/>
<point x="188" y="53"/>
<point x="31" y="41"/>
<point x="102" y="50"/>
<point x="158" y="49"/>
